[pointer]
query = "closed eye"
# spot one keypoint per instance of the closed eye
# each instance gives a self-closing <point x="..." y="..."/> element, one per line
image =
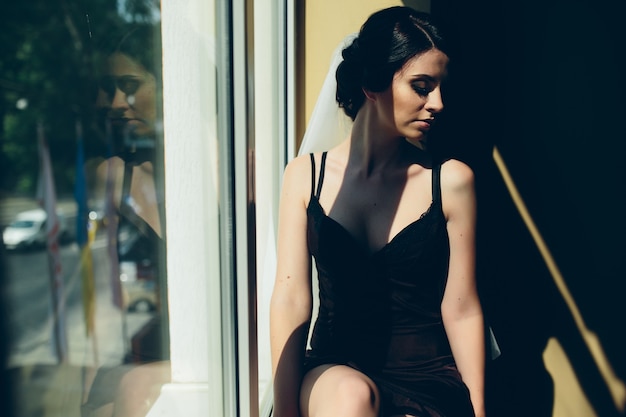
<point x="421" y="91"/>
<point x="127" y="84"/>
<point x="423" y="85"/>
<point x="422" y="88"/>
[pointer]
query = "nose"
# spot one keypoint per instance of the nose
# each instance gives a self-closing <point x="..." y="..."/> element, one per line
<point x="119" y="101"/>
<point x="435" y="101"/>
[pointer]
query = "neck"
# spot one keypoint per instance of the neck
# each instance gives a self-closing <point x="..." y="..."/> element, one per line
<point x="372" y="149"/>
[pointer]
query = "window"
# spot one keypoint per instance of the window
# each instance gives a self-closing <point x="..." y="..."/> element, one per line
<point x="131" y="130"/>
<point x="85" y="289"/>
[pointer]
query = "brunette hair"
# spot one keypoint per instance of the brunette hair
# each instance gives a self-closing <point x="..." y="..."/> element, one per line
<point x="387" y="40"/>
<point x="142" y="43"/>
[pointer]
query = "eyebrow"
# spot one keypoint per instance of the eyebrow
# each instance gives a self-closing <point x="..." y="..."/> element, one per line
<point x="429" y="77"/>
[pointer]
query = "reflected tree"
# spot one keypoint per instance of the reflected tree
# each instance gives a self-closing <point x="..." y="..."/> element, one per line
<point x="47" y="55"/>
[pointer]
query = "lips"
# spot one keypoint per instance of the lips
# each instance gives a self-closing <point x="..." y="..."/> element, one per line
<point x="119" y="121"/>
<point x="425" y="123"/>
<point x="123" y="121"/>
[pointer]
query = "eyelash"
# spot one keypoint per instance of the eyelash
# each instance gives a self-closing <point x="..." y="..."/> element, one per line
<point x="127" y="85"/>
<point x="422" y="91"/>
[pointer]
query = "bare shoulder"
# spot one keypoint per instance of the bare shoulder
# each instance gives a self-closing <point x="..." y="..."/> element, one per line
<point x="113" y="165"/>
<point x="297" y="178"/>
<point x="298" y="166"/>
<point x="456" y="176"/>
<point x="457" y="190"/>
<point x="298" y="171"/>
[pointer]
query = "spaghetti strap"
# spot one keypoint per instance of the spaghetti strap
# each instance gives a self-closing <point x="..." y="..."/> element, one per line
<point x="312" y="174"/>
<point x="437" y="183"/>
<point x="316" y="193"/>
<point x="321" y="180"/>
<point x="128" y="174"/>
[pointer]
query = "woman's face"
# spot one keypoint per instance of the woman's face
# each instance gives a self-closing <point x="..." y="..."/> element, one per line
<point x="128" y="95"/>
<point x="409" y="106"/>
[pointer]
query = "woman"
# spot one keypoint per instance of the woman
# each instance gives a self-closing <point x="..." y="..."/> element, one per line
<point x="128" y="99"/>
<point x="399" y="331"/>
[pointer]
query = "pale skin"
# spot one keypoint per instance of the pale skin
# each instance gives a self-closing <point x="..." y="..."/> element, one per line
<point x="380" y="165"/>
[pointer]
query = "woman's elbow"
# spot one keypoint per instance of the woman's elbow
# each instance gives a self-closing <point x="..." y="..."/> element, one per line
<point x="295" y="306"/>
<point x="457" y="310"/>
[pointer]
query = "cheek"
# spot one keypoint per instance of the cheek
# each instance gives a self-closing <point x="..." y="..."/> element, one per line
<point x="405" y="108"/>
<point x="406" y="100"/>
<point x="145" y="103"/>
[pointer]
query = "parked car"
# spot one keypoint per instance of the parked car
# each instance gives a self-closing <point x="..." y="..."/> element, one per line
<point x="28" y="230"/>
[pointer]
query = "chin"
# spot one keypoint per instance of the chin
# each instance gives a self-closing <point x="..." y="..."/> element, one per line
<point x="142" y="132"/>
<point x="416" y="136"/>
<point x="417" y="142"/>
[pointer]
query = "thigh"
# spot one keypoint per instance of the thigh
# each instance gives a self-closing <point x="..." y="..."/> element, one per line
<point x="326" y="385"/>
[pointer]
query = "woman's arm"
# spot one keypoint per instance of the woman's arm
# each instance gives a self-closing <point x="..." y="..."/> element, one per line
<point x="461" y="309"/>
<point x="291" y="303"/>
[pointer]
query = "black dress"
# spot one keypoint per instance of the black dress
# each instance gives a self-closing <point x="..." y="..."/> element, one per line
<point x="380" y="312"/>
<point x="137" y="242"/>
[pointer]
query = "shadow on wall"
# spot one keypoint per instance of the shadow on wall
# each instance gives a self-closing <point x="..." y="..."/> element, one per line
<point x="541" y="81"/>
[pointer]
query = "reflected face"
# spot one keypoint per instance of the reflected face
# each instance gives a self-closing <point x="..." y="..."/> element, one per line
<point x="409" y="106"/>
<point x="128" y="94"/>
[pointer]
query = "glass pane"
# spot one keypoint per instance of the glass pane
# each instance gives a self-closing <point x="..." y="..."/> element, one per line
<point x="82" y="207"/>
<point x="270" y="86"/>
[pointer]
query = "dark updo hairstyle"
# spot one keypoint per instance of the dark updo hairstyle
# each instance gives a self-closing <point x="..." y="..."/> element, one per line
<point x="386" y="41"/>
<point x="139" y="41"/>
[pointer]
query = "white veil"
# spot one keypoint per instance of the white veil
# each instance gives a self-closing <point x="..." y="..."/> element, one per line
<point x="328" y="125"/>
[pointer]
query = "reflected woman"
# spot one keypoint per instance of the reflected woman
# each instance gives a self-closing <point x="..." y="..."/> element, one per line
<point x="127" y="98"/>
<point x="127" y="101"/>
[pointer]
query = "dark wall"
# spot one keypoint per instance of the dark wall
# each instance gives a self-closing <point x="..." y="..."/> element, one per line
<point x="544" y="82"/>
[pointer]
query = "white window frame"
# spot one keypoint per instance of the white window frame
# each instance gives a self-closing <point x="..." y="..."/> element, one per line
<point x="210" y="49"/>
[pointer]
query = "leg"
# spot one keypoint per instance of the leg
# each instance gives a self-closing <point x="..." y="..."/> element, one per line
<point x="140" y="388"/>
<point x="101" y="392"/>
<point x="338" y="390"/>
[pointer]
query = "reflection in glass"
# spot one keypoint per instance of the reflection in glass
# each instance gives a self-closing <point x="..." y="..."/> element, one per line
<point x="89" y="336"/>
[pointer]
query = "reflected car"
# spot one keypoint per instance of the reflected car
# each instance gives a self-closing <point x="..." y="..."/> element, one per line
<point x="28" y="231"/>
